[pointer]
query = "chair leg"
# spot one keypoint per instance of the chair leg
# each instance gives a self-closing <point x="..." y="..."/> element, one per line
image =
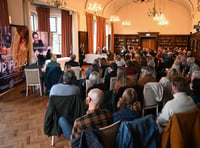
<point x="40" y="91"/>
<point x="52" y="140"/>
<point x="26" y="90"/>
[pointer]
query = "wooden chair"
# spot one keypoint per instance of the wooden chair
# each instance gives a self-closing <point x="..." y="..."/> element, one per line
<point x="150" y="99"/>
<point x="109" y="133"/>
<point x="77" y="71"/>
<point x="112" y="82"/>
<point x="33" y="79"/>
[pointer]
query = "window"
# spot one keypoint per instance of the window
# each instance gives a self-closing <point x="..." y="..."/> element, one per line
<point x="55" y="28"/>
<point x="95" y="37"/>
<point x="34" y="21"/>
<point x="53" y="24"/>
<point x="108" y="31"/>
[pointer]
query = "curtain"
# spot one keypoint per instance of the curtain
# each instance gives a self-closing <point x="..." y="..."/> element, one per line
<point x="101" y="32"/>
<point x="66" y="33"/>
<point x="43" y="19"/>
<point x="90" y="28"/>
<point x="112" y="38"/>
<point x="4" y="19"/>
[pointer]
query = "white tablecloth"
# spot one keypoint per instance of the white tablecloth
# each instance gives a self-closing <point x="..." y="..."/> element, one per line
<point x="91" y="57"/>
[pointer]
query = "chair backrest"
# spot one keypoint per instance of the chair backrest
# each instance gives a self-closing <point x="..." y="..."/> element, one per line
<point x="88" y="85"/>
<point x="52" y="76"/>
<point x="109" y="101"/>
<point x="153" y="93"/>
<point x="112" y="82"/>
<point x="182" y="130"/>
<point x="134" y="78"/>
<point x="109" y="133"/>
<point x="32" y="77"/>
<point x="70" y="106"/>
<point x="77" y="71"/>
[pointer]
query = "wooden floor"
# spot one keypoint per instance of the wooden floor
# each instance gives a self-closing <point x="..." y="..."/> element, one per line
<point x="21" y="121"/>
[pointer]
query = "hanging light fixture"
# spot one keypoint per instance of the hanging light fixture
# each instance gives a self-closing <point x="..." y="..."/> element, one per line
<point x="126" y="22"/>
<point x="95" y="7"/>
<point x="57" y="3"/>
<point x="114" y="18"/>
<point x="157" y="15"/>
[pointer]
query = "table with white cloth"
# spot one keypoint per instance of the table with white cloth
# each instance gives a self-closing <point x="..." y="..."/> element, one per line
<point x="89" y="58"/>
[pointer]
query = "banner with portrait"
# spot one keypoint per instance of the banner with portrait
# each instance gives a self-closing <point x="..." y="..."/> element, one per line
<point x="13" y="55"/>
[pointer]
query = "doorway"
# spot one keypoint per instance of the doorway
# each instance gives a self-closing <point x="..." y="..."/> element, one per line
<point x="149" y="43"/>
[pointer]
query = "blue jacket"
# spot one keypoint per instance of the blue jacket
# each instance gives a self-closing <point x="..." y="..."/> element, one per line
<point x="140" y="133"/>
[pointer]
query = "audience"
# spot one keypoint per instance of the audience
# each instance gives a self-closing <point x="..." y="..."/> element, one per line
<point x="103" y="66"/>
<point x="166" y="83"/>
<point x="180" y="103"/>
<point x="129" y="106"/>
<point x="95" y="117"/>
<point x="53" y="63"/>
<point x="111" y="73"/>
<point x="95" y="82"/>
<point x="129" y="68"/>
<point x="34" y="65"/>
<point x="72" y="61"/>
<point x="94" y="67"/>
<point x="145" y="77"/>
<point x="193" y="66"/>
<point x="122" y="79"/>
<point x="66" y="88"/>
<point x="195" y="91"/>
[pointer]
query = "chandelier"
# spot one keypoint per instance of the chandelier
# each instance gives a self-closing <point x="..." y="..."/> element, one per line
<point x="126" y="22"/>
<point x="157" y="15"/>
<point x="114" y="18"/>
<point x="94" y="7"/>
<point x="57" y="3"/>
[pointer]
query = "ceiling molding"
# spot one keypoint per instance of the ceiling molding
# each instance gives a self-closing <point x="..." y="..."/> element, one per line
<point x="190" y="10"/>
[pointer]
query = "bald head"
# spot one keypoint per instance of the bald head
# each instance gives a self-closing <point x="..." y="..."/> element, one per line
<point x="97" y="96"/>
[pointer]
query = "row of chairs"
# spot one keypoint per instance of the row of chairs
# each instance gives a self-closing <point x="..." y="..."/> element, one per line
<point x="33" y="78"/>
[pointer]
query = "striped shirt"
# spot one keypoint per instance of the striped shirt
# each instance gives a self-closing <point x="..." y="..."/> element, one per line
<point x="92" y="120"/>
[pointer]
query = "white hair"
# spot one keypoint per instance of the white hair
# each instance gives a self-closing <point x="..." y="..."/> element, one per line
<point x="96" y="95"/>
<point x="195" y="74"/>
<point x="94" y="78"/>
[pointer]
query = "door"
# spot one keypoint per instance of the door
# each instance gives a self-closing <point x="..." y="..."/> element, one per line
<point x="149" y="43"/>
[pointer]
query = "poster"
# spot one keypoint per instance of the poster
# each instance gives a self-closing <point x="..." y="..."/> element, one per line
<point x="13" y="55"/>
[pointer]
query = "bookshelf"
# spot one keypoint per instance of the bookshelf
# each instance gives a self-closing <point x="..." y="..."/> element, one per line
<point x="172" y="41"/>
<point x="125" y="40"/>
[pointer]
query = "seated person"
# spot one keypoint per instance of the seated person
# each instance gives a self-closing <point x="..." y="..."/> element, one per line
<point x="66" y="68"/>
<point x="94" y="67"/>
<point x="122" y="80"/>
<point x="112" y="73"/>
<point x="34" y="65"/>
<point x="95" y="117"/>
<point x="110" y="55"/>
<point x="145" y="77"/>
<point x="94" y="80"/>
<point x="195" y="87"/>
<point x="53" y="63"/>
<point x="118" y="61"/>
<point x="129" y="68"/>
<point x="103" y="66"/>
<point x="72" y="61"/>
<point x="66" y="88"/>
<point x="130" y="108"/>
<point x="181" y="102"/>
